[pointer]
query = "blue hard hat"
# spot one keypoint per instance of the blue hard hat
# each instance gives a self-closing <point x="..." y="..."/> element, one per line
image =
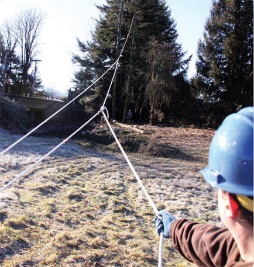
<point x="230" y="164"/>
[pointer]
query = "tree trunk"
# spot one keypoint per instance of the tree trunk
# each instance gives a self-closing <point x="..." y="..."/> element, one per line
<point x="114" y="97"/>
<point x="151" y="117"/>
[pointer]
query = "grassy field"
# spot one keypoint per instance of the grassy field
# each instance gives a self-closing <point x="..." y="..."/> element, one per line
<point x="82" y="206"/>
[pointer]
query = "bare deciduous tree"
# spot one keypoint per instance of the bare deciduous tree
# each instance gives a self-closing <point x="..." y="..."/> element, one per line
<point x="19" y="40"/>
<point x="8" y="39"/>
<point x="26" y="29"/>
<point x="8" y="44"/>
<point x="51" y="93"/>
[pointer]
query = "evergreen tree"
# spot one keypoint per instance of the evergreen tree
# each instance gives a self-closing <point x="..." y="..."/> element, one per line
<point x="165" y="78"/>
<point x="152" y="23"/>
<point x="225" y="67"/>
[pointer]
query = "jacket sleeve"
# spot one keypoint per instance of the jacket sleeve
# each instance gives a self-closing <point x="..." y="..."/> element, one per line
<point x="203" y="244"/>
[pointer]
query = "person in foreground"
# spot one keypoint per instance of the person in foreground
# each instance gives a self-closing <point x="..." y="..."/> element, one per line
<point x="230" y="169"/>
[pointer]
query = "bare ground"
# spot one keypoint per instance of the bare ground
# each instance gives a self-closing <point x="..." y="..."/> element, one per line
<point x="82" y="206"/>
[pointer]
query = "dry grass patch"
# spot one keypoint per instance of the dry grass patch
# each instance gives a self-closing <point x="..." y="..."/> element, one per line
<point x="86" y="209"/>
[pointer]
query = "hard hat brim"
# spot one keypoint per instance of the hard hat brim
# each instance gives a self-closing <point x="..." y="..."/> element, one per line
<point x="218" y="181"/>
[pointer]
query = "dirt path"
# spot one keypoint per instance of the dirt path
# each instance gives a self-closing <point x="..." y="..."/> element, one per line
<point x="83" y="207"/>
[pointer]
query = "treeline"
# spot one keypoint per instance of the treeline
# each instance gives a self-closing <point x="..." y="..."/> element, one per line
<point x="151" y="78"/>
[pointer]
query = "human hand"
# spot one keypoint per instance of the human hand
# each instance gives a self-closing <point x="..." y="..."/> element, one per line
<point x="163" y="223"/>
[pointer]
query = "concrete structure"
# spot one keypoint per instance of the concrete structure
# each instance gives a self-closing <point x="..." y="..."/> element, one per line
<point x="38" y="108"/>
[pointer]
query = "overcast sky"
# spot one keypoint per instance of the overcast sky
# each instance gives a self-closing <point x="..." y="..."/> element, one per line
<point x="67" y="19"/>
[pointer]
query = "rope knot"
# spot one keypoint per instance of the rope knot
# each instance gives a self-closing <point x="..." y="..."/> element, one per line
<point x="102" y="109"/>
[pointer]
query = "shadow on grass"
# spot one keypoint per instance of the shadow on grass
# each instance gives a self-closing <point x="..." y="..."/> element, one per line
<point x="167" y="151"/>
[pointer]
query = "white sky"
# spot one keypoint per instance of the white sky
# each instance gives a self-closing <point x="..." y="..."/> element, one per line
<point x="68" y="19"/>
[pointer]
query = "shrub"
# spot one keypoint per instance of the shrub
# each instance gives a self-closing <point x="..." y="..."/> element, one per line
<point x="13" y="116"/>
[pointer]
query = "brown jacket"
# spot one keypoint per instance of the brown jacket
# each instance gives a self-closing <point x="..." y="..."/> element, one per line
<point x="206" y="245"/>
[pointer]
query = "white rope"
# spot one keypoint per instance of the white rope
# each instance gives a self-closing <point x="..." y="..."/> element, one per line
<point x="117" y="61"/>
<point x="55" y="148"/>
<point x="160" y="256"/>
<point x="139" y="181"/>
<point x="43" y="157"/>
<point x="130" y="165"/>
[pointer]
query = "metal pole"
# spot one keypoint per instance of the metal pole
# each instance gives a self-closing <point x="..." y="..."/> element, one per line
<point x="119" y="34"/>
<point x="35" y="70"/>
<point x="5" y="66"/>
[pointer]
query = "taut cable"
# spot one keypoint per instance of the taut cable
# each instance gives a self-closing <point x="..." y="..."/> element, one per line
<point x="102" y="109"/>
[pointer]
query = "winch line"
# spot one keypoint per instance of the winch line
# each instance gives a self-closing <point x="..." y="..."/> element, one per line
<point x="130" y="165"/>
<point x="139" y="181"/>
